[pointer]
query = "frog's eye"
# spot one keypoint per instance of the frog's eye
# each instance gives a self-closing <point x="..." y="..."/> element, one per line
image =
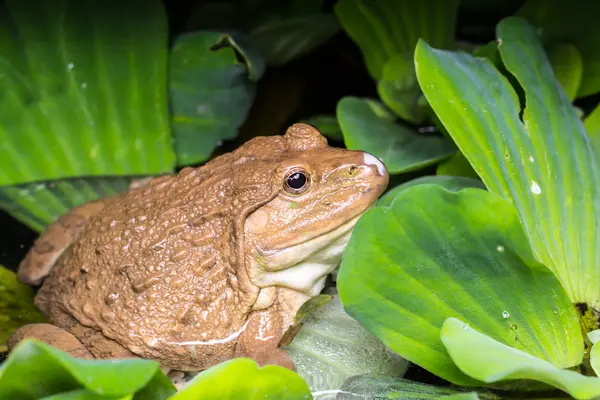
<point x="296" y="182"/>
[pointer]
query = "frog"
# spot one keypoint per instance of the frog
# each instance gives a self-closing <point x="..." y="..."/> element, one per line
<point x="211" y="263"/>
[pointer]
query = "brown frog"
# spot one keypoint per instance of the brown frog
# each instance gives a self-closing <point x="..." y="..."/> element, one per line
<point x="209" y="264"/>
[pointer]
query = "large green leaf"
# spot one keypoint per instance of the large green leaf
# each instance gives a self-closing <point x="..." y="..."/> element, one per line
<point x="331" y="347"/>
<point x="35" y="369"/>
<point x="16" y="305"/>
<point x="594" y="337"/>
<point x="241" y="378"/>
<point x="574" y="22"/>
<point x="592" y="126"/>
<point x="385" y="387"/>
<point x="491" y="361"/>
<point x="211" y="91"/>
<point x="400" y="91"/>
<point x="367" y="125"/>
<point x="435" y="254"/>
<point x="544" y="166"/>
<point x="384" y="29"/>
<point x="38" y="204"/>
<point x="83" y="89"/>
<point x="567" y="66"/>
<point x="283" y="40"/>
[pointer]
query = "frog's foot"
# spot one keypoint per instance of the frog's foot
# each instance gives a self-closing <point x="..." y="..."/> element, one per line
<point x="57" y="237"/>
<point x="51" y="335"/>
<point x="178" y="378"/>
<point x="277" y="357"/>
<point x="260" y="341"/>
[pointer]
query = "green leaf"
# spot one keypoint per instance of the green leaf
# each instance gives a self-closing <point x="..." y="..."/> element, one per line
<point x="461" y="396"/>
<point x="567" y="66"/>
<point x="82" y="394"/>
<point x="399" y="89"/>
<point x="533" y="164"/>
<point x="16" y="305"/>
<point x="491" y="361"/>
<point x="35" y="369"/>
<point x="38" y="204"/>
<point x="457" y="165"/>
<point x="574" y="22"/>
<point x="384" y="387"/>
<point x="384" y="29"/>
<point x="367" y="125"/>
<point x="451" y="183"/>
<point x="441" y="254"/>
<point x="241" y="378"/>
<point x="83" y="89"/>
<point x="282" y="40"/>
<point x="331" y="347"/>
<point x="328" y="125"/>
<point x="211" y="91"/>
<point x="592" y="126"/>
<point x="595" y="352"/>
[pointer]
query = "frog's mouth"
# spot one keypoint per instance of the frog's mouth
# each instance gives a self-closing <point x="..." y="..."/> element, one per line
<point x="303" y="266"/>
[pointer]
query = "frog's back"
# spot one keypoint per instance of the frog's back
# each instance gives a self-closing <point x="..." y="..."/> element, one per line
<point x="154" y="268"/>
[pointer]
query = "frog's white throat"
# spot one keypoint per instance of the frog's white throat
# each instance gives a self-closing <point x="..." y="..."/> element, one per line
<point x="303" y="267"/>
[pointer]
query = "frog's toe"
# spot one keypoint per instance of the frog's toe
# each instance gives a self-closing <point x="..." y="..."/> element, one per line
<point x="51" y="335"/>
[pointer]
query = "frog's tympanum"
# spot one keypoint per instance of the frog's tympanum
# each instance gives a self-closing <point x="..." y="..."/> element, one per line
<point x="209" y="264"/>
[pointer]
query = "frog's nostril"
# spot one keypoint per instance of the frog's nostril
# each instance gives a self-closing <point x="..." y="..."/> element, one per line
<point x="372" y="160"/>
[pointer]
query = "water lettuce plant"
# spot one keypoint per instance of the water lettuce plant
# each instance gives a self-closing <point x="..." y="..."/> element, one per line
<point x="97" y="94"/>
<point x="38" y="371"/>
<point x="495" y="287"/>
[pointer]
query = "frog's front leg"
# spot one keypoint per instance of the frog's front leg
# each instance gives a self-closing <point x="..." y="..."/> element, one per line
<point x="260" y="340"/>
<point x="57" y="237"/>
<point x="51" y="335"/>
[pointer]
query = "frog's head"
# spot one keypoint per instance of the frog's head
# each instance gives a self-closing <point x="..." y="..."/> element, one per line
<point x="297" y="238"/>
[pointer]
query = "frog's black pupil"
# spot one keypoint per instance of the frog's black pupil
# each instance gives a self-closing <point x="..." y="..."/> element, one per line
<point x="296" y="180"/>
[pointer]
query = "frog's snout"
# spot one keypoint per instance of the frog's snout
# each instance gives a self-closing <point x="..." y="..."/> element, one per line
<point x="373" y="161"/>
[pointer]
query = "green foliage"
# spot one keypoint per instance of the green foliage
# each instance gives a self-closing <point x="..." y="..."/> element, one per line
<point x="242" y="379"/>
<point x="462" y="254"/>
<point x="281" y="30"/>
<point x="387" y="33"/>
<point x="98" y="106"/>
<point x="35" y="370"/>
<point x="383" y="388"/>
<point x="16" y="305"/>
<point x="385" y="29"/>
<point x="567" y="66"/>
<point x="457" y="165"/>
<point x="533" y="164"/>
<point x="211" y="92"/>
<point x="451" y="183"/>
<point x="331" y="347"/>
<point x="572" y="23"/>
<point x="491" y="361"/>
<point x="369" y="126"/>
<point x="38" y="204"/>
<point x="475" y="286"/>
<point x="283" y="40"/>
<point x="76" y="105"/>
